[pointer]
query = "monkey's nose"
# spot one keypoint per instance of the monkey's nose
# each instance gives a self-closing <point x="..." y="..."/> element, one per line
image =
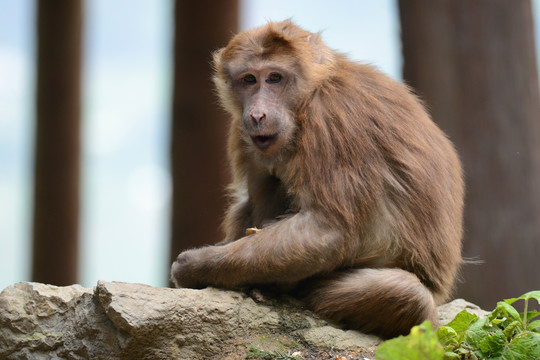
<point x="257" y="116"/>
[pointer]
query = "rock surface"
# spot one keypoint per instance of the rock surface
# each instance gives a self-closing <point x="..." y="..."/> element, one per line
<point x="133" y="321"/>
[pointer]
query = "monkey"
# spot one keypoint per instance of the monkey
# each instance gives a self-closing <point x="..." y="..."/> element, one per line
<point x="356" y="194"/>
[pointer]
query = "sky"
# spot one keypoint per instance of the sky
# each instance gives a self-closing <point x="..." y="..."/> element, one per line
<point x="126" y="190"/>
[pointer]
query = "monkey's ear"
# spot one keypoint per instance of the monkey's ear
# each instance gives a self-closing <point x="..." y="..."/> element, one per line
<point x="216" y="58"/>
<point x="217" y="63"/>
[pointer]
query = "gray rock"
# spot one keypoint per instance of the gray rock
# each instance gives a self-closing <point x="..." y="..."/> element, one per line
<point x="448" y="312"/>
<point x="133" y="321"/>
<point x="45" y="322"/>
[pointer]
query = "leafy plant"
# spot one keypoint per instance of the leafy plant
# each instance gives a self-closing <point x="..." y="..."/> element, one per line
<point x="256" y="353"/>
<point x="503" y="334"/>
<point x="420" y="344"/>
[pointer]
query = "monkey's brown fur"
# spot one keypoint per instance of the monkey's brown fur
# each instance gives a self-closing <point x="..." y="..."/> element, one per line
<point x="358" y="194"/>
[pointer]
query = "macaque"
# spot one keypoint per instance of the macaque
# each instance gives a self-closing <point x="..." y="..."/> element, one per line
<point x="356" y="196"/>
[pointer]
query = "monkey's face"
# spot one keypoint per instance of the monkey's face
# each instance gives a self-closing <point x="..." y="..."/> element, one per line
<point x="263" y="78"/>
<point x="264" y="94"/>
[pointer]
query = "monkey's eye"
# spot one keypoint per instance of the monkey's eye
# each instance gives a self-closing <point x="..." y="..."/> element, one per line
<point x="274" y="78"/>
<point x="249" y="79"/>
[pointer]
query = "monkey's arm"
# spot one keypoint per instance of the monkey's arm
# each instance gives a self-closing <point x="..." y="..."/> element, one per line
<point x="289" y="250"/>
<point x="237" y="220"/>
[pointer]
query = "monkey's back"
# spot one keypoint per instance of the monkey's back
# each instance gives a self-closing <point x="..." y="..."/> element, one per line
<point x="386" y="172"/>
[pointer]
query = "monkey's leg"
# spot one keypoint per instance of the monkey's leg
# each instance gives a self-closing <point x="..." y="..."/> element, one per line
<point x="387" y="302"/>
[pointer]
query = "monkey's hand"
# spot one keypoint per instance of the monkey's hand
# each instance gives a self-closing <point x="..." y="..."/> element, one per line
<point x="193" y="268"/>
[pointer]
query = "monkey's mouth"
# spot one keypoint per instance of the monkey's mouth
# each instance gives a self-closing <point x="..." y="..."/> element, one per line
<point x="264" y="141"/>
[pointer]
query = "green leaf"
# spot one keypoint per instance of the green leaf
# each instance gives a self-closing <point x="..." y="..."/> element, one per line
<point x="461" y="323"/>
<point x="448" y="336"/>
<point x="534" y="326"/>
<point x="451" y="356"/>
<point x="477" y="332"/>
<point x="530" y="295"/>
<point x="512" y="329"/>
<point x="504" y="309"/>
<point x="525" y="346"/>
<point x="493" y="344"/>
<point x="422" y="343"/>
<point x="532" y="314"/>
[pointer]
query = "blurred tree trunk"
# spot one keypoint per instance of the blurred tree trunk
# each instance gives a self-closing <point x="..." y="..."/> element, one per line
<point x="56" y="184"/>
<point x="199" y="129"/>
<point x="474" y="64"/>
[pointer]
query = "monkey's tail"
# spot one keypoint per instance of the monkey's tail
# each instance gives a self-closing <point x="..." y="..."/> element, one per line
<point x="386" y="302"/>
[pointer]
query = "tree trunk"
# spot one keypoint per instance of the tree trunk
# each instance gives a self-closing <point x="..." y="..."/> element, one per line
<point x="474" y="64"/>
<point x="199" y="129"/>
<point x="56" y="184"/>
